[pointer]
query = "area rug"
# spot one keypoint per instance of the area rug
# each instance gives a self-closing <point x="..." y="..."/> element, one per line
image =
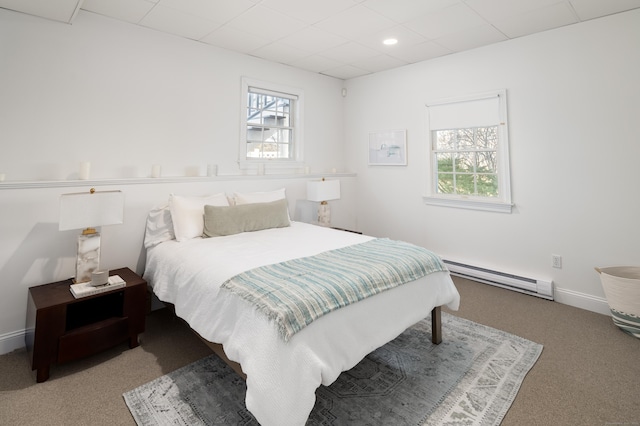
<point x="471" y="378"/>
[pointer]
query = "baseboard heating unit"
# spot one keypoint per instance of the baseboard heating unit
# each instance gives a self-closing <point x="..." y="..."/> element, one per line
<point x="532" y="286"/>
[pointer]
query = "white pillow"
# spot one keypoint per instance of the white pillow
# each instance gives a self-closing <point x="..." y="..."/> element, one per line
<point x="187" y="213"/>
<point x="159" y="227"/>
<point x="259" y="197"/>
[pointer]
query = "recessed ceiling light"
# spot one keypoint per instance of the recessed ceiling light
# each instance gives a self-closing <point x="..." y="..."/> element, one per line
<point x="390" y="41"/>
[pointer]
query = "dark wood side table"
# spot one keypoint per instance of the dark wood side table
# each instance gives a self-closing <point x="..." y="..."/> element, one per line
<point x="61" y="328"/>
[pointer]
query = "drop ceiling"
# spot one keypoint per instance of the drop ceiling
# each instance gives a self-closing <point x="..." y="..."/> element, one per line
<point x="338" y="38"/>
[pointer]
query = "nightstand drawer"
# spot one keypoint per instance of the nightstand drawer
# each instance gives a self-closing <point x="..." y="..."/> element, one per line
<point x="92" y="338"/>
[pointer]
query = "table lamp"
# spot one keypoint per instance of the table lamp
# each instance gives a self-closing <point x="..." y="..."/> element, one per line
<point x="323" y="191"/>
<point x="88" y="210"/>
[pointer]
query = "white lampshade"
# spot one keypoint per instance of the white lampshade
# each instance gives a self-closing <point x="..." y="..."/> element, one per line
<point x="323" y="190"/>
<point x="90" y="209"/>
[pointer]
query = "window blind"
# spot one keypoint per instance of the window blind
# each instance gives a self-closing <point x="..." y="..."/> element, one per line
<point x="261" y="91"/>
<point x="460" y="114"/>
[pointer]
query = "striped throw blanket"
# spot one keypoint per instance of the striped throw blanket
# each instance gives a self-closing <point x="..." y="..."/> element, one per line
<point x="298" y="291"/>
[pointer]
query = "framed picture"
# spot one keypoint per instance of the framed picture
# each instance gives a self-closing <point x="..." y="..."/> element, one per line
<point x="388" y="148"/>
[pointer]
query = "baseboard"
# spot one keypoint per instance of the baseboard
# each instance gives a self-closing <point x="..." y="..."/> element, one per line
<point x="582" y="301"/>
<point x="9" y="342"/>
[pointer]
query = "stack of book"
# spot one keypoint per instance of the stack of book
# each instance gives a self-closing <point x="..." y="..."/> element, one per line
<point x="86" y="289"/>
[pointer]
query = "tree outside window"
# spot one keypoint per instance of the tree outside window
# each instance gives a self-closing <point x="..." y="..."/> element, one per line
<point x="467" y="161"/>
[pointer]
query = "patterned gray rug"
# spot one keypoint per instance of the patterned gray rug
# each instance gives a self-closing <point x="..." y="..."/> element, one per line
<point x="471" y="378"/>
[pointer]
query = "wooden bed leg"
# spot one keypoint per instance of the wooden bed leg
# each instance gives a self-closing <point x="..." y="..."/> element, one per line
<point x="436" y="326"/>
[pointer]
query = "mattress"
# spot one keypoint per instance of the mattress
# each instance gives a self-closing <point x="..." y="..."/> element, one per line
<point x="282" y="376"/>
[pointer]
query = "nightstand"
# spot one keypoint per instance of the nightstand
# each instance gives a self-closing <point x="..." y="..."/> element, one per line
<point x="61" y="328"/>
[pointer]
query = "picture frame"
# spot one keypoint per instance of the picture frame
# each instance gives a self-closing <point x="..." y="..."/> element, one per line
<point x="388" y="148"/>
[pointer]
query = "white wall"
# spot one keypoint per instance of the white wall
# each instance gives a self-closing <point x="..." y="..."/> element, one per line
<point x="575" y="154"/>
<point x="124" y="98"/>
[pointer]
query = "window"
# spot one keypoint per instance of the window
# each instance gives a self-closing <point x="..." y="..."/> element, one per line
<point x="271" y="125"/>
<point x="466" y="161"/>
<point x="469" y="153"/>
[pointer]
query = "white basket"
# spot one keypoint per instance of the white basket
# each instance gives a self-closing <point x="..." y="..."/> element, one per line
<point x="621" y="286"/>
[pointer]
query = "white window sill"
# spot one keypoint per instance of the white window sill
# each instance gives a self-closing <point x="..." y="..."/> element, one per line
<point x="491" y="206"/>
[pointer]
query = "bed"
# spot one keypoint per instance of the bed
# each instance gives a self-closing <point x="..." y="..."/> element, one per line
<point x="282" y="374"/>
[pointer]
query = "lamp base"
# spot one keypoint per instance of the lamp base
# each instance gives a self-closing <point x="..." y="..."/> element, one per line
<point x="324" y="214"/>
<point x="88" y="258"/>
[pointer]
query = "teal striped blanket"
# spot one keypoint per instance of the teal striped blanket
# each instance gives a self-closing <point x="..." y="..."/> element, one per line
<point x="296" y="292"/>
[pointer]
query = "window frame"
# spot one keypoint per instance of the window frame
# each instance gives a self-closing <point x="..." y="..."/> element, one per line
<point x="502" y="203"/>
<point x="297" y="117"/>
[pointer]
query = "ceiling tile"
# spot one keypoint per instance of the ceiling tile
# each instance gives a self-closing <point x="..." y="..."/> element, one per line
<point x="316" y="63"/>
<point x="446" y="21"/>
<point x="406" y="10"/>
<point x="494" y="10"/>
<point x="589" y="9"/>
<point x="405" y="37"/>
<point x="379" y="63"/>
<point x="355" y="22"/>
<point x="471" y="38"/>
<point x="214" y="10"/>
<point x="313" y="40"/>
<point x="278" y="52"/>
<point x="350" y="52"/>
<point x="537" y="20"/>
<point x="260" y="21"/>
<point x="345" y="72"/>
<point x="125" y="10"/>
<point x="179" y="23"/>
<point x="233" y="39"/>
<point x="59" y="10"/>
<point x="309" y="11"/>
<point x="419" y="52"/>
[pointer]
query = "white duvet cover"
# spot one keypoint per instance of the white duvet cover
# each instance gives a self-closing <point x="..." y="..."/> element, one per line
<point x="282" y="377"/>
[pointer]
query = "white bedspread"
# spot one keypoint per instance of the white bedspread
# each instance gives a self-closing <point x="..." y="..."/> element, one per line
<point x="282" y="377"/>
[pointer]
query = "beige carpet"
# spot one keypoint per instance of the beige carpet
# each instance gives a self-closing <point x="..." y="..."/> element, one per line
<point x="587" y="374"/>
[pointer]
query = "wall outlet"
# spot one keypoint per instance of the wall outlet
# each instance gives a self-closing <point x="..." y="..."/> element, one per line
<point x="556" y="261"/>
